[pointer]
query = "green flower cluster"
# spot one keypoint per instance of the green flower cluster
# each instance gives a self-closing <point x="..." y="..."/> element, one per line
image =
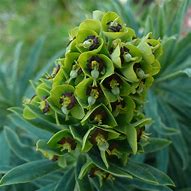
<point x="93" y="100"/>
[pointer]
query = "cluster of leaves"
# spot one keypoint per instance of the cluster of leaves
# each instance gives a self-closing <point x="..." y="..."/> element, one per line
<point x="170" y="95"/>
<point x="16" y="141"/>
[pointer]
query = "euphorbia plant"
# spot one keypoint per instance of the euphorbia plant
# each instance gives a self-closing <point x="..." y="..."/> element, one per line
<point x="92" y="103"/>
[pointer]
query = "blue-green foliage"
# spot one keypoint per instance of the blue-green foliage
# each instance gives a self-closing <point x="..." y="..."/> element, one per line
<point x="169" y="106"/>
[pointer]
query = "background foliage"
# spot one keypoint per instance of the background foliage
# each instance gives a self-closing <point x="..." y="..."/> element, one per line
<point x="43" y="26"/>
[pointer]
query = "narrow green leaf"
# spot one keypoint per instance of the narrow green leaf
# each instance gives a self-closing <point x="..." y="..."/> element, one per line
<point x="16" y="62"/>
<point x="114" y="170"/>
<point x="28" y="172"/>
<point x="4" y="149"/>
<point x="162" y="22"/>
<point x="156" y="144"/>
<point x="178" y="141"/>
<point x="139" y="171"/>
<point x="49" y="187"/>
<point x="84" y="169"/>
<point x="4" y="169"/>
<point x="82" y="180"/>
<point x="31" y="63"/>
<point x="22" y="151"/>
<point x="132" y="138"/>
<point x="178" y="20"/>
<point x="158" y="175"/>
<point x="140" y="185"/>
<point x="187" y="71"/>
<point x="42" y="121"/>
<point x="148" y="25"/>
<point x="67" y="182"/>
<point x="33" y="131"/>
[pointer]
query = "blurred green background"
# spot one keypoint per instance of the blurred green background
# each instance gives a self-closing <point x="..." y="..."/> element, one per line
<point x="27" y="20"/>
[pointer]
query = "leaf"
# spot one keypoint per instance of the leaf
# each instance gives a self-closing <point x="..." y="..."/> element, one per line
<point x="16" y="62"/>
<point x="158" y="175"/>
<point x="132" y="138"/>
<point x="49" y="187"/>
<point x="48" y="152"/>
<point x="5" y="151"/>
<point x="18" y="120"/>
<point x="28" y="172"/>
<point x="151" y="109"/>
<point x="178" y="20"/>
<point x="108" y="119"/>
<point x="4" y="168"/>
<point x="162" y="22"/>
<point x="178" y="140"/>
<point x="139" y="171"/>
<point x="84" y="169"/>
<point x="162" y="178"/>
<point x="53" y="142"/>
<point x="42" y="121"/>
<point x="156" y="144"/>
<point x="162" y="159"/>
<point x="31" y="64"/>
<point x="187" y="71"/>
<point x="114" y="170"/>
<point x="91" y="24"/>
<point x="67" y="182"/>
<point x="140" y="185"/>
<point x="22" y="151"/>
<point x="81" y="170"/>
<point x="146" y="50"/>
<point x="148" y="25"/>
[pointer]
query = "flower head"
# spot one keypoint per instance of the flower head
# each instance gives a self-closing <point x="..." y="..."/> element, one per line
<point x="94" y="98"/>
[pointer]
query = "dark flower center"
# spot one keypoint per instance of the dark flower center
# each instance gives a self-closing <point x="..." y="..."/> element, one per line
<point x="93" y="91"/>
<point x="95" y="62"/>
<point x="47" y="107"/>
<point x="118" y="105"/>
<point x="112" y="81"/>
<point x="113" y="146"/>
<point x="76" y="70"/>
<point x="97" y="134"/>
<point x="98" y="116"/>
<point x="68" y="141"/>
<point x="93" y="94"/>
<point x="44" y="105"/>
<point x="95" y="66"/>
<point x="114" y="26"/>
<point x="140" y="72"/>
<point x="68" y="100"/>
<point x="124" y="54"/>
<point x="91" y="42"/>
<point x="140" y="133"/>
